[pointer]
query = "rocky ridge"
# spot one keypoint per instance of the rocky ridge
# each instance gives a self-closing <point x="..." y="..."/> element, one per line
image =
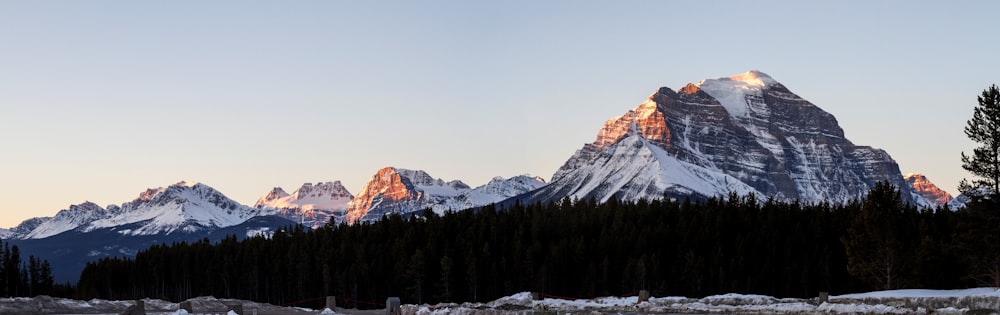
<point x="313" y="204"/>
<point x="402" y="191"/>
<point x="925" y="188"/>
<point x="746" y="133"/>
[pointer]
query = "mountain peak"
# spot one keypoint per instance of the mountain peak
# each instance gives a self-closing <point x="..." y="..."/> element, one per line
<point x="403" y="191"/>
<point x="275" y="194"/>
<point x="742" y="133"/>
<point x="754" y="77"/>
<point x="316" y="202"/>
<point x="186" y="184"/>
<point x="183" y="206"/>
<point x="690" y="88"/>
<point x="924" y="187"/>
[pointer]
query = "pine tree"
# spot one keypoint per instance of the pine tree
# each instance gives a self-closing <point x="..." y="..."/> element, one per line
<point x="984" y="128"/>
<point x="877" y="251"/>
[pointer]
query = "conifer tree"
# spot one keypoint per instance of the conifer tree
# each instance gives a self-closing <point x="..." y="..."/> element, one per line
<point x="876" y="250"/>
<point x="984" y="129"/>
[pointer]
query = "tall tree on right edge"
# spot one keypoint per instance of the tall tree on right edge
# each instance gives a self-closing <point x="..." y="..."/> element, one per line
<point x="984" y="128"/>
<point x="980" y="237"/>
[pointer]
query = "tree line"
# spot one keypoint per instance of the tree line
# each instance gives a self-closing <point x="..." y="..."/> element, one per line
<point x="582" y="249"/>
<point x="20" y="278"/>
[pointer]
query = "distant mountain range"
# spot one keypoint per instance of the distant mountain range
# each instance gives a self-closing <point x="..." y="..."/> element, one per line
<point x="188" y="211"/>
<point x="746" y="133"/>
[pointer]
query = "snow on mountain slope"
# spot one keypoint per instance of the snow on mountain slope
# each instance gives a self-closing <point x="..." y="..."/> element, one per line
<point x="744" y="133"/>
<point x="185" y="206"/>
<point x="402" y="191"/>
<point x="432" y="186"/>
<point x="317" y="203"/>
<point x="498" y="189"/>
<point x="65" y="220"/>
<point x="23" y="229"/>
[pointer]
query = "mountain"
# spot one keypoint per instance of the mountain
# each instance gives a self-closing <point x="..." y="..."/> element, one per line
<point x="69" y="252"/>
<point x="927" y="189"/>
<point x="396" y="190"/>
<point x="313" y="203"/>
<point x="22" y="229"/>
<point x="498" y="189"/>
<point x="746" y="133"/>
<point x="184" y="211"/>
<point x="68" y="219"/>
<point x="181" y="207"/>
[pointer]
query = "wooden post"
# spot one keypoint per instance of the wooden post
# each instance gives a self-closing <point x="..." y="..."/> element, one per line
<point x="643" y="296"/>
<point x="186" y="305"/>
<point x="331" y="303"/>
<point x="824" y="297"/>
<point x="536" y="296"/>
<point x="392" y="306"/>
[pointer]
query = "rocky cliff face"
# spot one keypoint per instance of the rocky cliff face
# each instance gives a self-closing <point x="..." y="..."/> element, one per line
<point x="747" y="134"/>
<point x="312" y="204"/>
<point x="387" y="192"/>
<point x="925" y="188"/>
<point x="402" y="191"/>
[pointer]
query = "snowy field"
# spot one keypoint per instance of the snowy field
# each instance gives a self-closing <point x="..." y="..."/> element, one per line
<point x="970" y="301"/>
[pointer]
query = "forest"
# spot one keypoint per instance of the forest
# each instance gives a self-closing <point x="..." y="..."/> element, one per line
<point x="582" y="249"/>
<point x="31" y="278"/>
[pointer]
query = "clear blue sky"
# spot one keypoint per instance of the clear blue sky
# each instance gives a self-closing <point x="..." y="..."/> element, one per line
<point x="102" y="99"/>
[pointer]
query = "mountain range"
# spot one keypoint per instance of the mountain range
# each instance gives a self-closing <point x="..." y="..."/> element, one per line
<point x="742" y="134"/>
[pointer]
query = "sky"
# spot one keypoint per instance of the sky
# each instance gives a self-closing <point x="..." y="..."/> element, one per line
<point x="100" y="100"/>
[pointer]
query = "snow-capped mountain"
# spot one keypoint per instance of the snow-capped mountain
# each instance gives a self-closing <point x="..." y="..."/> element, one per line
<point x="395" y="190"/>
<point x="184" y="211"/>
<point x="746" y="134"/>
<point x="926" y="189"/>
<point x="498" y="189"/>
<point x="315" y="203"/>
<point x="23" y="229"/>
<point x="185" y="207"/>
<point x="68" y="219"/>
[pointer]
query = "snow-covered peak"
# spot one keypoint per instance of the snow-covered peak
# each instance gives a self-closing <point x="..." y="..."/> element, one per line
<point x="754" y="77"/>
<point x="511" y="186"/>
<point x="743" y="133"/>
<point x="397" y="190"/>
<point x="736" y="93"/>
<point x="430" y="185"/>
<point x="186" y="184"/>
<point x="322" y="190"/>
<point x="68" y="219"/>
<point x="313" y="202"/>
<point x="275" y="194"/>
<point x="184" y="206"/>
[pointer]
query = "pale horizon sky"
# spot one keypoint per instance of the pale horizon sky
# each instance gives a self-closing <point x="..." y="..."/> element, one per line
<point x="100" y="100"/>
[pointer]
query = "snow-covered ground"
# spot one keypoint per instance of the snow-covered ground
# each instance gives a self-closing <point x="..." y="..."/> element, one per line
<point x="200" y="305"/>
<point x="971" y="301"/>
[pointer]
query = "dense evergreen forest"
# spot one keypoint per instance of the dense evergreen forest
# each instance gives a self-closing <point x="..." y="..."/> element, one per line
<point x="582" y="249"/>
<point x="20" y="278"/>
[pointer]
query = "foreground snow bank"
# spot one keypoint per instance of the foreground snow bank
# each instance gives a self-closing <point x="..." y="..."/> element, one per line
<point x="972" y="301"/>
<point x="941" y="301"/>
<point x="49" y="305"/>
